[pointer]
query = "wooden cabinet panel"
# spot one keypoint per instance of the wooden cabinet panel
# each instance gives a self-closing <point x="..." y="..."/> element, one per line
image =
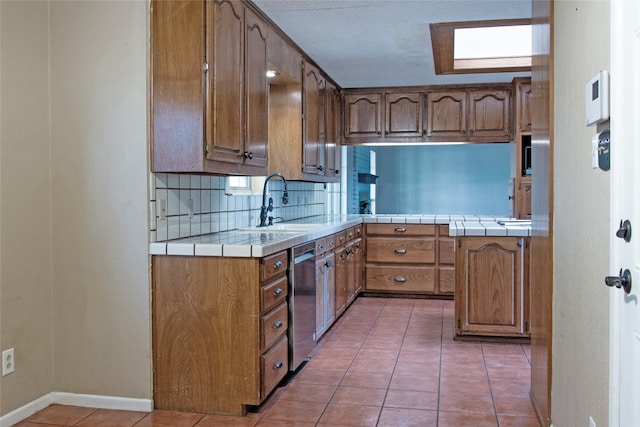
<point x="401" y="279"/>
<point x="471" y="115"/>
<point x="273" y="325"/>
<point x="490" y="114"/>
<point x="273" y="265"/>
<point x="273" y="293"/>
<point x="341" y="278"/>
<point x="401" y="230"/>
<point x="332" y="144"/>
<point x="273" y="366"/>
<point x="490" y="298"/>
<point x="446" y="280"/>
<point x="523" y="198"/>
<point x="363" y="115"/>
<point x="314" y="121"/>
<point x="404" y="113"/>
<point x="404" y="251"/>
<point x="447" y="114"/>
<point x="523" y="106"/>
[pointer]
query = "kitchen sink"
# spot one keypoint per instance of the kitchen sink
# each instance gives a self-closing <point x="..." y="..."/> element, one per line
<point x="283" y="228"/>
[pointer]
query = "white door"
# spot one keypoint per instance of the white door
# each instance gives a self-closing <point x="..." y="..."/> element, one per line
<point x="624" y="409"/>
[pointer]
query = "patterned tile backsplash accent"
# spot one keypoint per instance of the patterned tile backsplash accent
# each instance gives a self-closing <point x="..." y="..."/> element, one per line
<point x="198" y="204"/>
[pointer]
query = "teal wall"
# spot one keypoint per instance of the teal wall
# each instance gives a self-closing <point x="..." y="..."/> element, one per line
<point x="447" y="179"/>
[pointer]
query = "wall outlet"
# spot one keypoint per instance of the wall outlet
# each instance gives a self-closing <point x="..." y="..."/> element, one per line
<point x="162" y="208"/>
<point x="8" y="362"/>
<point x="591" y="422"/>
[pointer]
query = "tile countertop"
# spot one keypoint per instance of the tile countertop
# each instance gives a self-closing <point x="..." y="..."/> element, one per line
<point x="252" y="243"/>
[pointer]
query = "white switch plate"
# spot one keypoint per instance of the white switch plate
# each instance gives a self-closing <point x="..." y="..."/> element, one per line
<point x="594" y="151"/>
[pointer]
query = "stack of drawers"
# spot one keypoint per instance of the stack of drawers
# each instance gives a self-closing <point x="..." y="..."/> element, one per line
<point x="274" y="321"/>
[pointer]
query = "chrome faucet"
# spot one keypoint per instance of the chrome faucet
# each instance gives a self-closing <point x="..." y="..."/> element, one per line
<point x="264" y="209"/>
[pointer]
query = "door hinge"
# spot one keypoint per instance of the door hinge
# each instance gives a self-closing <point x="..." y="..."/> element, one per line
<point x="526" y="327"/>
<point x="205" y="66"/>
<point x="459" y="243"/>
<point x="205" y="147"/>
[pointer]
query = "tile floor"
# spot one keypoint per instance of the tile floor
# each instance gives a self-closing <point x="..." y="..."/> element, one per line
<point x="387" y="362"/>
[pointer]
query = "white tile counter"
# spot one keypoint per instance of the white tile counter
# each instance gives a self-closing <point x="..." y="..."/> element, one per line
<point x="239" y="243"/>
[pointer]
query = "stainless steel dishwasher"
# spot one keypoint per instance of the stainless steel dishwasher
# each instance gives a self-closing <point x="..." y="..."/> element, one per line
<point x="302" y="304"/>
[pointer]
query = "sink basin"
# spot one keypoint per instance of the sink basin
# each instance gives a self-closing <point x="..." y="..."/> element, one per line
<point x="283" y="228"/>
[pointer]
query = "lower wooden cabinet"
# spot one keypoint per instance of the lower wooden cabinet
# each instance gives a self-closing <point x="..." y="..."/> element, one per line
<point x="492" y="286"/>
<point x="219" y="331"/>
<point x="410" y="259"/>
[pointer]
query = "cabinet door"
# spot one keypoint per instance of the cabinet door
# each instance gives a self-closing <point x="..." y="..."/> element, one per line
<point x="320" y="296"/>
<point x="523" y="198"/>
<point x="358" y="267"/>
<point x="489" y="286"/>
<point x="332" y="145"/>
<point x="447" y="114"/>
<point x="489" y="115"/>
<point x="225" y="82"/>
<point x="363" y="116"/>
<point x="523" y="107"/>
<point x="256" y="91"/>
<point x="314" y="121"/>
<point x="341" y="258"/>
<point x="330" y="288"/>
<point x="403" y="113"/>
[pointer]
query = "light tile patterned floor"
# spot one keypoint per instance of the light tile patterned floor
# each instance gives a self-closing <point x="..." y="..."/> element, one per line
<point x="387" y="362"/>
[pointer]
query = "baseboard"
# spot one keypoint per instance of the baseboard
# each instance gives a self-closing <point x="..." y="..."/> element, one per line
<point x="72" y="399"/>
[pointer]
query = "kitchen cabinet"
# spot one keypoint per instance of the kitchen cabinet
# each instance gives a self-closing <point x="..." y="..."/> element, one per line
<point x="219" y="331"/>
<point x="522" y="139"/>
<point x="349" y="274"/>
<point x="386" y="115"/>
<point x="325" y="285"/>
<point x="209" y="115"/>
<point x="469" y="115"/>
<point x="445" y="262"/>
<point x="400" y="258"/>
<point x="492" y="286"/>
<point x="333" y="135"/>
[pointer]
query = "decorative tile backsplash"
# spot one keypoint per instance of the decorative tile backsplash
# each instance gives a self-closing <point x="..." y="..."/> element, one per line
<point x="190" y="205"/>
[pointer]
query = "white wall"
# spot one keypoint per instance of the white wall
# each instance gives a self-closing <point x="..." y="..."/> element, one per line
<point x="581" y="223"/>
<point x="74" y="199"/>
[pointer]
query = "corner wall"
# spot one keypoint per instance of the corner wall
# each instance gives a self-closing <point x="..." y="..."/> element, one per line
<point x="580" y="382"/>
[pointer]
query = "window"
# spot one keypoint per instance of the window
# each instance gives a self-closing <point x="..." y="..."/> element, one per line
<point x="244" y="185"/>
<point x="482" y="46"/>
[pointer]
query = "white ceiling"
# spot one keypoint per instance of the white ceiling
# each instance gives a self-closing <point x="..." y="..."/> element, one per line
<point x="370" y="43"/>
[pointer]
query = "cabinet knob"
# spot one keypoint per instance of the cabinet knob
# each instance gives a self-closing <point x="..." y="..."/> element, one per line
<point x="278" y="365"/>
<point x="400" y="251"/>
<point x="378" y="133"/>
<point x="386" y="132"/>
<point x="321" y="168"/>
<point x="337" y="171"/>
<point x="248" y="155"/>
<point x="277" y="324"/>
<point x="328" y="264"/>
<point x="470" y="131"/>
<point x="400" y="279"/>
<point x="277" y="264"/>
<point x="278" y="292"/>
<point x="400" y="229"/>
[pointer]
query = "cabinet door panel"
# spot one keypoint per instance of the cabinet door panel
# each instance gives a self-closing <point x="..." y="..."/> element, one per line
<point x="403" y="114"/>
<point x="225" y="82"/>
<point x="363" y="115"/>
<point x="489" y="114"/>
<point x="447" y="114"/>
<point x="314" y="121"/>
<point x="332" y="145"/>
<point x="256" y="88"/>
<point x="524" y="107"/>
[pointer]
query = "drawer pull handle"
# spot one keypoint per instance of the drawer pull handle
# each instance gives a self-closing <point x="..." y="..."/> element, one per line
<point x="350" y="234"/>
<point x="277" y="264"/>
<point x="400" y="279"/>
<point x="401" y="251"/>
<point x="320" y="247"/>
<point x="277" y="292"/>
<point x="331" y="242"/>
<point x="278" y="365"/>
<point x="401" y="229"/>
<point x="328" y="264"/>
<point x="277" y="325"/>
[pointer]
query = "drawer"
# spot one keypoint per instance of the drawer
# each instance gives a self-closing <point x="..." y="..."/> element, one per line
<point x="331" y="242"/>
<point x="446" y="280"/>
<point x="273" y="265"/>
<point x="350" y="233"/>
<point x="407" y="250"/>
<point x="446" y="251"/>
<point x="401" y="229"/>
<point x="321" y="246"/>
<point x="357" y="231"/>
<point x="273" y="325"/>
<point x="274" y="365"/>
<point x="341" y="238"/>
<point x="400" y="279"/>
<point x="273" y="293"/>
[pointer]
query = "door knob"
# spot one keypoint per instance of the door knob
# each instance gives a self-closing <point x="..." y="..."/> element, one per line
<point x="624" y="232"/>
<point x="622" y="281"/>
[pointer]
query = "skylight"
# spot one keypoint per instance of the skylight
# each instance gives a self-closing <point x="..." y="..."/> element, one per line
<point x="482" y="46"/>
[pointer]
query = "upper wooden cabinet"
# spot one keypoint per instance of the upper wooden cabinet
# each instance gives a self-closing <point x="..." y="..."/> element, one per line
<point x="469" y="115"/>
<point x="522" y="138"/>
<point x="376" y="116"/>
<point x="224" y="94"/>
<point x="523" y="104"/>
<point x="314" y="125"/>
